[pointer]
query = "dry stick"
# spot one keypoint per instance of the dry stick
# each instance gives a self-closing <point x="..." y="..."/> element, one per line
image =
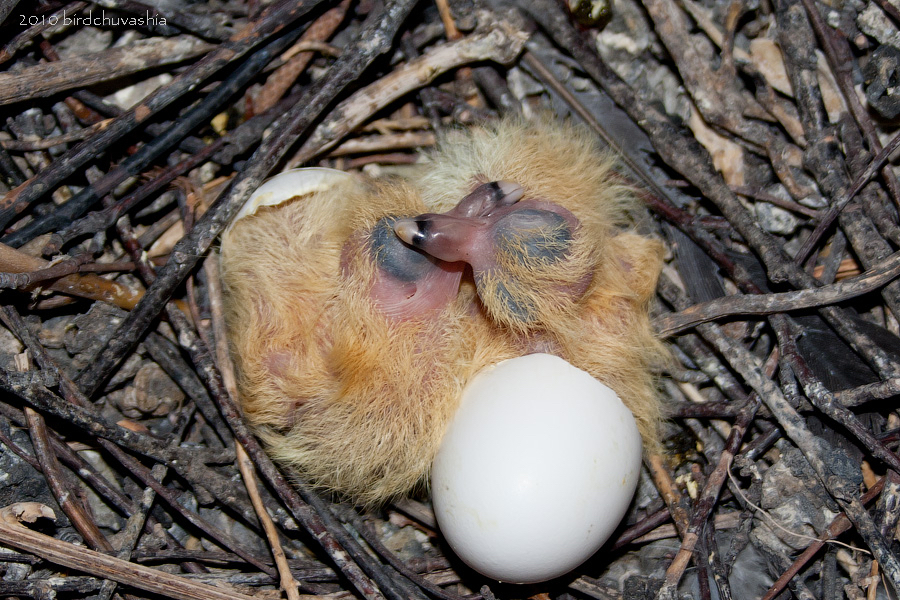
<point x="824" y="157"/>
<point x="284" y="77"/>
<point x="158" y="346"/>
<point x="130" y="534"/>
<point x="146" y="477"/>
<point x="135" y="525"/>
<point x="169" y="357"/>
<point x="890" y="9"/>
<point x="75" y="135"/>
<point x="52" y="587"/>
<point x="35" y="394"/>
<point x="716" y="564"/>
<point x="500" y="43"/>
<point x="772" y="199"/>
<point x="668" y="490"/>
<point x="276" y="17"/>
<point x="872" y="391"/>
<point x="374" y="542"/>
<point x="46" y="79"/>
<point x="382" y="143"/>
<point x="839" y="525"/>
<point x="641" y="528"/>
<point x="764" y="304"/>
<point x="67" y="266"/>
<point x="117" y="498"/>
<point x="10" y="169"/>
<point x="834" y="212"/>
<point x="95" y="480"/>
<point x="77" y="464"/>
<point x="702" y="565"/>
<point x="152" y="150"/>
<point x="833" y="467"/>
<point x="716" y="93"/>
<point x="85" y="286"/>
<point x="288" y="583"/>
<point x="55" y="479"/>
<point x="245" y="465"/>
<point x="886" y="510"/>
<point x="108" y="567"/>
<point x="707" y="500"/>
<point x="765" y="94"/>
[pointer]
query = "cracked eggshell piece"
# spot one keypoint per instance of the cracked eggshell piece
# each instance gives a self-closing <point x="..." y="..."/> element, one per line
<point x="536" y="471"/>
<point x="290" y="184"/>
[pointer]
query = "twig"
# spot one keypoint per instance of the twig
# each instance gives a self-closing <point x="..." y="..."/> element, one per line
<point x="382" y="143"/>
<point x="500" y="43"/>
<point x="866" y="393"/>
<point x="108" y="567"/>
<point x="76" y="135"/>
<point x="46" y="79"/>
<point x="835" y="469"/>
<point x="834" y="212"/>
<point x="762" y="304"/>
<point x="372" y="539"/>
<point x="86" y="286"/>
<point x="296" y="61"/>
<point x="15" y="323"/>
<point x="54" y="477"/>
<point x="771" y="199"/>
<point x="288" y="583"/>
<point x="132" y="531"/>
<point x="102" y="219"/>
<point x="707" y="501"/>
<point x="668" y="490"/>
<point x="840" y="57"/>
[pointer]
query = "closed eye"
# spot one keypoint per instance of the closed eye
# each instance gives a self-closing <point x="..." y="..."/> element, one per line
<point x="532" y="236"/>
<point x="408" y="284"/>
<point x="395" y="257"/>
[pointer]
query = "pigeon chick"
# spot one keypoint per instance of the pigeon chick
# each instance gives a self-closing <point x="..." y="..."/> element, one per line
<point x="358" y="311"/>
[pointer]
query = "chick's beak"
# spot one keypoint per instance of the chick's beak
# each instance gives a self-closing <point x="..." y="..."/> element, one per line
<point x="461" y="233"/>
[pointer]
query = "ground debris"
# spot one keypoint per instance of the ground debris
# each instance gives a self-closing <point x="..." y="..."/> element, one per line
<point x="761" y="135"/>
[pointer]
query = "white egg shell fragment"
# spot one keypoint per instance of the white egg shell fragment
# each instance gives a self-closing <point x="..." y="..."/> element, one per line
<point x="290" y="184"/>
<point x="536" y="470"/>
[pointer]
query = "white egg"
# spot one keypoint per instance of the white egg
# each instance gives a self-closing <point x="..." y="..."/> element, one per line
<point x="536" y="470"/>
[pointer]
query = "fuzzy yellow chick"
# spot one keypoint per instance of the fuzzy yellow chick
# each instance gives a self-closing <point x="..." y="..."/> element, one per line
<point x="357" y="312"/>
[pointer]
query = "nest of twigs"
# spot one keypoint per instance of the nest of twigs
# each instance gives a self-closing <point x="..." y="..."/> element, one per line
<point x="133" y="133"/>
